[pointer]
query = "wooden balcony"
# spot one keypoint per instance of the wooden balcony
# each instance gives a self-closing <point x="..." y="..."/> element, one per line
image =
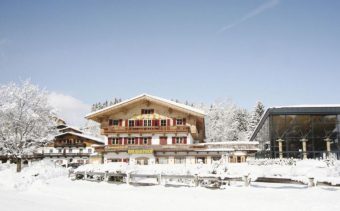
<point x="64" y="154"/>
<point x="168" y="147"/>
<point x="142" y="129"/>
<point x="69" y="145"/>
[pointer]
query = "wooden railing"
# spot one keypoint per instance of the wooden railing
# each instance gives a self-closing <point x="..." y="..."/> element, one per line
<point x="143" y="129"/>
<point x="69" y="145"/>
<point x="60" y="154"/>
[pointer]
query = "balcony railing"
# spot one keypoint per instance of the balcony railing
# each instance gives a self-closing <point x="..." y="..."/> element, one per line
<point x="69" y="145"/>
<point x="143" y="129"/>
<point x="64" y="154"/>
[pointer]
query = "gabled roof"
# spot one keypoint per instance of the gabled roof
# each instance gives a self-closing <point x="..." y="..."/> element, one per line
<point x="179" y="106"/>
<point x="72" y="128"/>
<point x="93" y="138"/>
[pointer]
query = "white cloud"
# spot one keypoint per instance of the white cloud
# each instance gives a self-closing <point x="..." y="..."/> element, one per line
<point x="258" y="10"/>
<point x="69" y="108"/>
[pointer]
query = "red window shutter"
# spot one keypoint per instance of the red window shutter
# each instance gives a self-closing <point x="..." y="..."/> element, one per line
<point x="126" y="123"/>
<point x="153" y="122"/>
<point x="149" y="141"/>
<point x="173" y="140"/>
<point x="136" y="140"/>
<point x="125" y="141"/>
<point x="168" y="122"/>
<point x="109" y="141"/>
<point x="141" y="122"/>
<point x="120" y="141"/>
<point x="184" y="121"/>
<point x="163" y="141"/>
<point x="174" y="121"/>
<point x="120" y="122"/>
<point x="110" y="122"/>
<point x="185" y="140"/>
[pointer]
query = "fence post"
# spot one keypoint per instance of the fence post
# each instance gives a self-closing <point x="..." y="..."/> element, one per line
<point x="196" y="180"/>
<point x="85" y="175"/>
<point x="159" y="179"/>
<point x="246" y="180"/>
<point x="105" y="176"/>
<point x="311" y="182"/>
<point x="128" y="178"/>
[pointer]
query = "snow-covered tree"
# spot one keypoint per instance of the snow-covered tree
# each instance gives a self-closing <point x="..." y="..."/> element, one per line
<point x="241" y="120"/>
<point x="26" y="120"/>
<point x="255" y="117"/>
<point x="220" y="122"/>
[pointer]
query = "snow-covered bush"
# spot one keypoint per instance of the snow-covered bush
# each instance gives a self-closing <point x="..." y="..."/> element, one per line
<point x="38" y="172"/>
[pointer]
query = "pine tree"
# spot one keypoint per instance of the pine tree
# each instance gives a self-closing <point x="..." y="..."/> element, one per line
<point x="255" y="117"/>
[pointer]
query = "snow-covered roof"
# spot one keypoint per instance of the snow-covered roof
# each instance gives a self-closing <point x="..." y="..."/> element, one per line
<point x="99" y="140"/>
<point x="190" y="109"/>
<point x="230" y="143"/>
<point x="217" y="150"/>
<point x="71" y="127"/>
<point x="310" y="106"/>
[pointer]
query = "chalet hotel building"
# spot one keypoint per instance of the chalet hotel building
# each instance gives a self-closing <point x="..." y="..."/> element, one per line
<point x="152" y="130"/>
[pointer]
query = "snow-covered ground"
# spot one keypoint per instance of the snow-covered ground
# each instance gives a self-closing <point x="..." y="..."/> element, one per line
<point x="45" y="187"/>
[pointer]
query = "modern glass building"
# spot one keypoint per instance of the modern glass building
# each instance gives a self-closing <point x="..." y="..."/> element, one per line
<point x="299" y="132"/>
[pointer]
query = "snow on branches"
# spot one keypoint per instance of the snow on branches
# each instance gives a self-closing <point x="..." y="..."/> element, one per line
<point x="225" y="121"/>
<point x="26" y="119"/>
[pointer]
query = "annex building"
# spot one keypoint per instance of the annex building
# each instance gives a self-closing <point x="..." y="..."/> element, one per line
<point x="70" y="147"/>
<point x="307" y="131"/>
<point x="151" y="130"/>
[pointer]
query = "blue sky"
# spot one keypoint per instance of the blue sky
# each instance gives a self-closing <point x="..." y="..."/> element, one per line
<point x="281" y="52"/>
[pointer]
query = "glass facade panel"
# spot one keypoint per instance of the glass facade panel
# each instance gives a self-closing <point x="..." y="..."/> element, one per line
<point x="293" y="128"/>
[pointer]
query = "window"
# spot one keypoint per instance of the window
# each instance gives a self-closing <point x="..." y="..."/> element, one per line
<point x="51" y="150"/>
<point x="179" y="160"/>
<point x="201" y="160"/>
<point x="162" y="160"/>
<point x="89" y="150"/>
<point x="145" y="140"/>
<point x="179" y="121"/>
<point x="163" y="122"/>
<point x="131" y="123"/>
<point x="147" y="122"/>
<point x="131" y="141"/>
<point x="115" y="141"/>
<point x="59" y="151"/>
<point x="147" y="111"/>
<point x="80" y="150"/>
<point x="70" y="150"/>
<point x="180" y="140"/>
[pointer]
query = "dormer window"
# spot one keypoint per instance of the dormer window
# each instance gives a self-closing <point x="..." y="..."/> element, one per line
<point x="147" y="111"/>
<point x="179" y="121"/>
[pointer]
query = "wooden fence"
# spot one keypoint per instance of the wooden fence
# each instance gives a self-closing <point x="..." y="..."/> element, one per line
<point x="184" y="180"/>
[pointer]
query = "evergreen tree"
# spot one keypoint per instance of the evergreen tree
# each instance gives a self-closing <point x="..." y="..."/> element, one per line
<point x="255" y="117"/>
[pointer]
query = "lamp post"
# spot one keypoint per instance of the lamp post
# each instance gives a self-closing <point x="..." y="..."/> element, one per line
<point x="304" y="147"/>
<point x="280" y="147"/>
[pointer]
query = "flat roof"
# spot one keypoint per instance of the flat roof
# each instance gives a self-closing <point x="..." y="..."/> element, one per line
<point x="316" y="109"/>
